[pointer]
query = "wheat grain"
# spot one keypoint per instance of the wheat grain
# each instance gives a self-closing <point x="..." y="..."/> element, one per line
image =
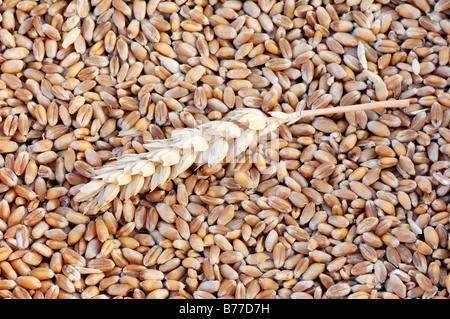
<point x="340" y="202"/>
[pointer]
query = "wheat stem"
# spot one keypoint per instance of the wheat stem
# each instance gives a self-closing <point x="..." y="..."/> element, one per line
<point x="357" y="107"/>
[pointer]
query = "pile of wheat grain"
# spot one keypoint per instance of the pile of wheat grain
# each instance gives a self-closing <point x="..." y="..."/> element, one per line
<point x="356" y="206"/>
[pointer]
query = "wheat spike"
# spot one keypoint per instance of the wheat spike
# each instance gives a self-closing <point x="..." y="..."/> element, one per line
<point x="207" y="144"/>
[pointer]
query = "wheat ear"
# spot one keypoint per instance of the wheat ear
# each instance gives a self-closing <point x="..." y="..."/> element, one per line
<point x="209" y="143"/>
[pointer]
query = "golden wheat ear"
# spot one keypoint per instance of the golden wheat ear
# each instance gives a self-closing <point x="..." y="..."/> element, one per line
<point x="208" y="144"/>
